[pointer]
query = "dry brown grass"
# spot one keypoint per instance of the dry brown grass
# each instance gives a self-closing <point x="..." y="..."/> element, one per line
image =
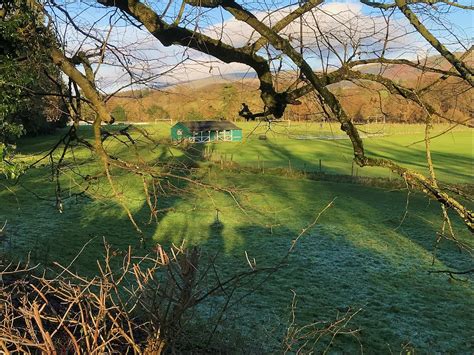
<point x="135" y="306"/>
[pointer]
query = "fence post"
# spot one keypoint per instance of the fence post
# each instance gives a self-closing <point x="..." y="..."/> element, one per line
<point x="320" y="166"/>
<point x="352" y="169"/>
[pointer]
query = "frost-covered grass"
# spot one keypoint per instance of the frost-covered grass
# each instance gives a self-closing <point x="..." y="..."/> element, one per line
<point x="365" y="251"/>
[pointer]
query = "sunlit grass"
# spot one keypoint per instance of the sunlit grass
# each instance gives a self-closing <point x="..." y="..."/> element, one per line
<point x="365" y="251"/>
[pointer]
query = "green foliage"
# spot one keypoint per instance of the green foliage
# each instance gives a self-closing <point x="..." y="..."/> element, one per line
<point x="359" y="116"/>
<point x="23" y="54"/>
<point x="193" y="115"/>
<point x="87" y="113"/>
<point x="24" y="72"/>
<point x="8" y="167"/>
<point x="229" y="94"/>
<point x="119" y="113"/>
<point x="12" y="80"/>
<point x="142" y="93"/>
<point x="9" y="131"/>
<point x="157" y="112"/>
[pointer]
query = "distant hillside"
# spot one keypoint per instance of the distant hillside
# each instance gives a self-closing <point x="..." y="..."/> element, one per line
<point x="221" y="97"/>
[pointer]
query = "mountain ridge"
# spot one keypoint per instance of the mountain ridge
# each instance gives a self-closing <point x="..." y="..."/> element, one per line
<point x="221" y="96"/>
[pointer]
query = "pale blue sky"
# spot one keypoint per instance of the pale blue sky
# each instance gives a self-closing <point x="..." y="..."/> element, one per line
<point x="141" y="44"/>
<point x="463" y="19"/>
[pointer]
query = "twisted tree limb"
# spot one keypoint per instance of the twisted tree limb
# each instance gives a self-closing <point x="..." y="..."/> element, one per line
<point x="274" y="101"/>
<point x="460" y="66"/>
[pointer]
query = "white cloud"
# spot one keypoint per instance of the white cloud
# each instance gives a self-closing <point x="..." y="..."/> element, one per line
<point x="343" y="23"/>
<point x="145" y="57"/>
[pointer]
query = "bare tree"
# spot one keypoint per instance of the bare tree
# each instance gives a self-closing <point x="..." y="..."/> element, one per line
<point x="322" y="47"/>
<point x="142" y="307"/>
<point x="378" y="35"/>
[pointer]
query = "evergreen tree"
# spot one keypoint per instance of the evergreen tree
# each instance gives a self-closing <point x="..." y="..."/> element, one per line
<point x="30" y="85"/>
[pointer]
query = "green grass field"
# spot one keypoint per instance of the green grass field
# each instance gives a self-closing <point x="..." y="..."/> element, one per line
<point x="296" y="146"/>
<point x="336" y="155"/>
<point x="367" y="251"/>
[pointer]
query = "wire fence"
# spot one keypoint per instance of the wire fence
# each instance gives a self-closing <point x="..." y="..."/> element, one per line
<point x="225" y="161"/>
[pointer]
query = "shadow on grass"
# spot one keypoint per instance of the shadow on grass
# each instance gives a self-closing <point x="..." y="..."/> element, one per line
<point x="37" y="231"/>
<point x="358" y="255"/>
<point x="350" y="261"/>
<point x="447" y="164"/>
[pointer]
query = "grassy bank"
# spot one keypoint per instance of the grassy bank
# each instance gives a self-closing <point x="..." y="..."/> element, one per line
<point x="368" y="251"/>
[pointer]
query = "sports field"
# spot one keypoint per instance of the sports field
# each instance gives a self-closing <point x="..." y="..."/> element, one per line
<point x="372" y="250"/>
<point x="303" y="146"/>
